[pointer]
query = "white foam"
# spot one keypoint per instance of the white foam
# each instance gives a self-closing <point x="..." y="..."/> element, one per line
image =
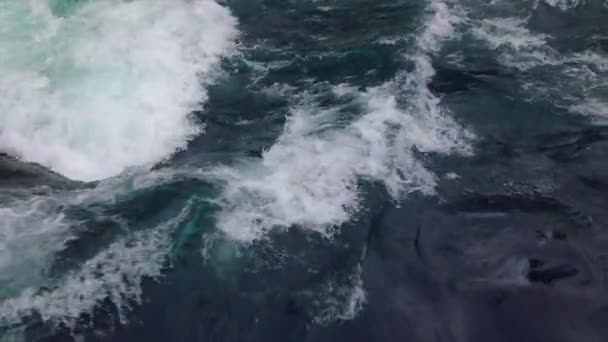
<point x="32" y="230"/>
<point x="573" y="78"/>
<point x="594" y="59"/>
<point x="439" y="26"/>
<point x="309" y="177"/>
<point x="565" y="4"/>
<point x="508" y="32"/>
<point x="595" y="108"/>
<point x="114" y="273"/>
<point x="341" y="301"/>
<point x="107" y="85"/>
<point x="519" y="47"/>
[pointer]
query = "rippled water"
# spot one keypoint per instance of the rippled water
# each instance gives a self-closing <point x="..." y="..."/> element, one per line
<point x="244" y="170"/>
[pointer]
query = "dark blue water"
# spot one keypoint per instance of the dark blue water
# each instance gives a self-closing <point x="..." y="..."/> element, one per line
<point x="353" y="170"/>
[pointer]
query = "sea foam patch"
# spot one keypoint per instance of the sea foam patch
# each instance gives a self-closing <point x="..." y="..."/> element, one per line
<point x="36" y="231"/>
<point x="93" y="87"/>
<point x="572" y="80"/>
<point x="310" y="176"/>
<point x="89" y="89"/>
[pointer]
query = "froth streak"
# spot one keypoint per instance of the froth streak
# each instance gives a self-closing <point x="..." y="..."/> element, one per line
<point x="309" y="178"/>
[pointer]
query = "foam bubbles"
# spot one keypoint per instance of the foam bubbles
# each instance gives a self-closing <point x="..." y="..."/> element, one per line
<point x="93" y="87"/>
<point x="32" y="230"/>
<point x="519" y="47"/>
<point x="439" y="26"/>
<point x="90" y="89"/>
<point x="341" y="302"/>
<point x="594" y="108"/>
<point x="565" y="4"/>
<point x="571" y="79"/>
<point x="115" y="273"/>
<point x="595" y="60"/>
<point x="310" y="176"/>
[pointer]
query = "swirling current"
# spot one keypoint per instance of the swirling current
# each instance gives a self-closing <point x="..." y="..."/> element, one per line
<point x="304" y="170"/>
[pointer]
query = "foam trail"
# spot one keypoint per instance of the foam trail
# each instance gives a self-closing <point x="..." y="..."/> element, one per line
<point x="519" y="47"/>
<point x="115" y="272"/>
<point x="594" y="108"/>
<point x="32" y="230"/>
<point x="579" y="74"/>
<point x="309" y="177"/>
<point x="341" y="302"/>
<point x="91" y="88"/>
<point x="35" y="228"/>
<point x="565" y="4"/>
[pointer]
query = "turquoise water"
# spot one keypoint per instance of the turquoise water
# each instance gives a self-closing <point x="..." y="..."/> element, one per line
<point x="302" y="170"/>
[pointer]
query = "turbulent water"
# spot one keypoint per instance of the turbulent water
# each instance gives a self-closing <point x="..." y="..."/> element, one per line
<point x="312" y="170"/>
